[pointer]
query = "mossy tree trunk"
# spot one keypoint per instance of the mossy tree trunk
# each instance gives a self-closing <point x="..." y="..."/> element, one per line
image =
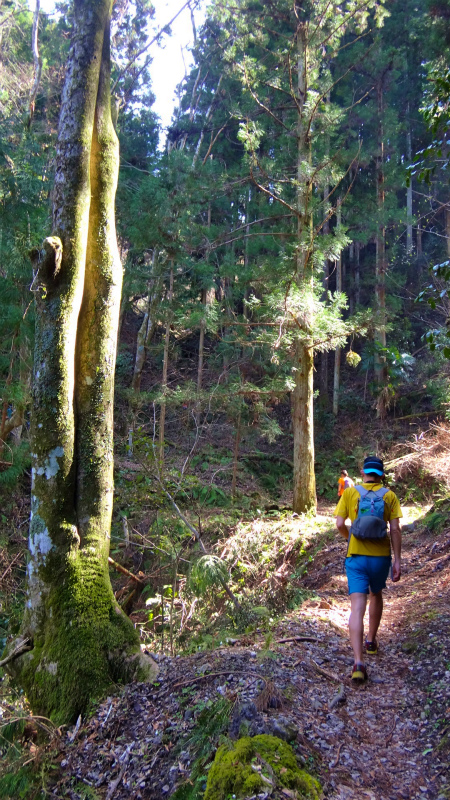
<point x="81" y="642"/>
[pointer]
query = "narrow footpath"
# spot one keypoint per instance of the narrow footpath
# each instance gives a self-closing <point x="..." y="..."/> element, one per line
<point x="385" y="740"/>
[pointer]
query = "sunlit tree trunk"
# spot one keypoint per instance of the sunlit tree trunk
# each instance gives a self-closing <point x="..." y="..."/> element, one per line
<point x="325" y="280"/>
<point x="337" y="354"/>
<point x="380" y="256"/>
<point x="304" y="482"/>
<point x="81" y="642"/>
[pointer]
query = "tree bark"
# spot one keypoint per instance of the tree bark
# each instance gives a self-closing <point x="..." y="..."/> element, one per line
<point x="337" y="354"/>
<point x="409" y="191"/>
<point x="357" y="274"/>
<point x="325" y="280"/>
<point x="447" y="229"/>
<point x="237" y="441"/>
<point x="162" y="414"/>
<point x="380" y="257"/>
<point x="304" y="482"/>
<point x="207" y="299"/>
<point x="37" y="61"/>
<point x="147" y="329"/>
<point x="82" y="642"/>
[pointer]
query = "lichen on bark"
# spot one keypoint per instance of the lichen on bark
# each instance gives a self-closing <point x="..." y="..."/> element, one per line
<point x="81" y="640"/>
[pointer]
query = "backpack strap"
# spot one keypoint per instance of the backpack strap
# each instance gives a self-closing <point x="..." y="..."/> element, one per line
<point x="362" y="493"/>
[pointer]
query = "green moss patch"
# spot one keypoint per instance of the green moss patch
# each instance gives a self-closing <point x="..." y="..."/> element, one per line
<point x="255" y="764"/>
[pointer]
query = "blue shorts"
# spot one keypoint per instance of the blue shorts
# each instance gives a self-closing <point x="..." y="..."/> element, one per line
<point x="367" y="572"/>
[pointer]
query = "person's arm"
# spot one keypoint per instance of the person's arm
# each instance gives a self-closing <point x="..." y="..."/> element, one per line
<point x="396" y="539"/>
<point x="342" y="527"/>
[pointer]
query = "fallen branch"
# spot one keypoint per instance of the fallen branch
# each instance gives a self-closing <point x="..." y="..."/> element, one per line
<point x="297" y="639"/>
<point x="392" y="732"/>
<point x="114" y="784"/>
<point x="421" y="414"/>
<point x="339" y="697"/>
<point x="16" y="558"/>
<point x="124" y="571"/>
<point x="336" y="760"/>
<point x="22" y="647"/>
<point x="324" y="672"/>
<point x="338" y="628"/>
<point x="266" y="456"/>
<point x="216" y="674"/>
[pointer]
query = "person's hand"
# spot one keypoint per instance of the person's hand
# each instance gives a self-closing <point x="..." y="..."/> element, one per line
<point x="396" y="571"/>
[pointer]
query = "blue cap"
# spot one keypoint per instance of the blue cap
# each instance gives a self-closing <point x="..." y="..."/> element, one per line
<point x="373" y="464"/>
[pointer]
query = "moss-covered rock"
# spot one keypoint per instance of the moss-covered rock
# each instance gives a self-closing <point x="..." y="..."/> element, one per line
<point x="252" y="765"/>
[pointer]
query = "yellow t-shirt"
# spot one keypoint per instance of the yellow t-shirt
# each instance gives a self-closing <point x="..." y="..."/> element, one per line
<point x="348" y="508"/>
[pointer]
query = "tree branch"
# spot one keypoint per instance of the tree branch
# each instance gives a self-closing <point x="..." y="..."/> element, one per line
<point x="20" y="648"/>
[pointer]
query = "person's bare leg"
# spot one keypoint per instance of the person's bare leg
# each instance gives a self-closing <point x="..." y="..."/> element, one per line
<point x="356" y="624"/>
<point x="375" y="612"/>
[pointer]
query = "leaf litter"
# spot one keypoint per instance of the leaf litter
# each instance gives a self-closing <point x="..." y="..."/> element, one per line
<point x="385" y="740"/>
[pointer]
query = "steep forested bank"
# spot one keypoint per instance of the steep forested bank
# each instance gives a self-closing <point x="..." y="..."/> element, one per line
<point x="287" y="677"/>
<point x="284" y="313"/>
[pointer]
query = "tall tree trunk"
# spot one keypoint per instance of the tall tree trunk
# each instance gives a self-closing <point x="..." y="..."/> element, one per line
<point x="162" y="413"/>
<point x="409" y="192"/>
<point x="36" y="60"/>
<point x="419" y="240"/>
<point x="357" y="274"/>
<point x="325" y="280"/>
<point x="81" y="642"/>
<point x="380" y="257"/>
<point x="148" y="327"/>
<point x="304" y="482"/>
<point x="447" y="229"/>
<point x="237" y="441"/>
<point x="351" y="288"/>
<point x="206" y="300"/>
<point x="337" y="354"/>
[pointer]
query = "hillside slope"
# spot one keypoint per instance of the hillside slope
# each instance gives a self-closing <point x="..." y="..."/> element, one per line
<point x="385" y="740"/>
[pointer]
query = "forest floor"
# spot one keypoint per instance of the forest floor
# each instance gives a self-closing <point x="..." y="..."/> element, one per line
<point x="386" y="739"/>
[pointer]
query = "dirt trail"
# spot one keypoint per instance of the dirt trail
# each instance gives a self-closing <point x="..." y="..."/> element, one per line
<point x="395" y="740"/>
<point x="386" y="740"/>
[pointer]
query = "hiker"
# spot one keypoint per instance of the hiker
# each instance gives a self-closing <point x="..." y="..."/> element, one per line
<point x="344" y="482"/>
<point x="369" y="506"/>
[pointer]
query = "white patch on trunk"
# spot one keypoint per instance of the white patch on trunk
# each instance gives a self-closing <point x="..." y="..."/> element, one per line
<point x="51" y="466"/>
<point x="88" y="380"/>
<point x="40" y="543"/>
<point x="52" y="667"/>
